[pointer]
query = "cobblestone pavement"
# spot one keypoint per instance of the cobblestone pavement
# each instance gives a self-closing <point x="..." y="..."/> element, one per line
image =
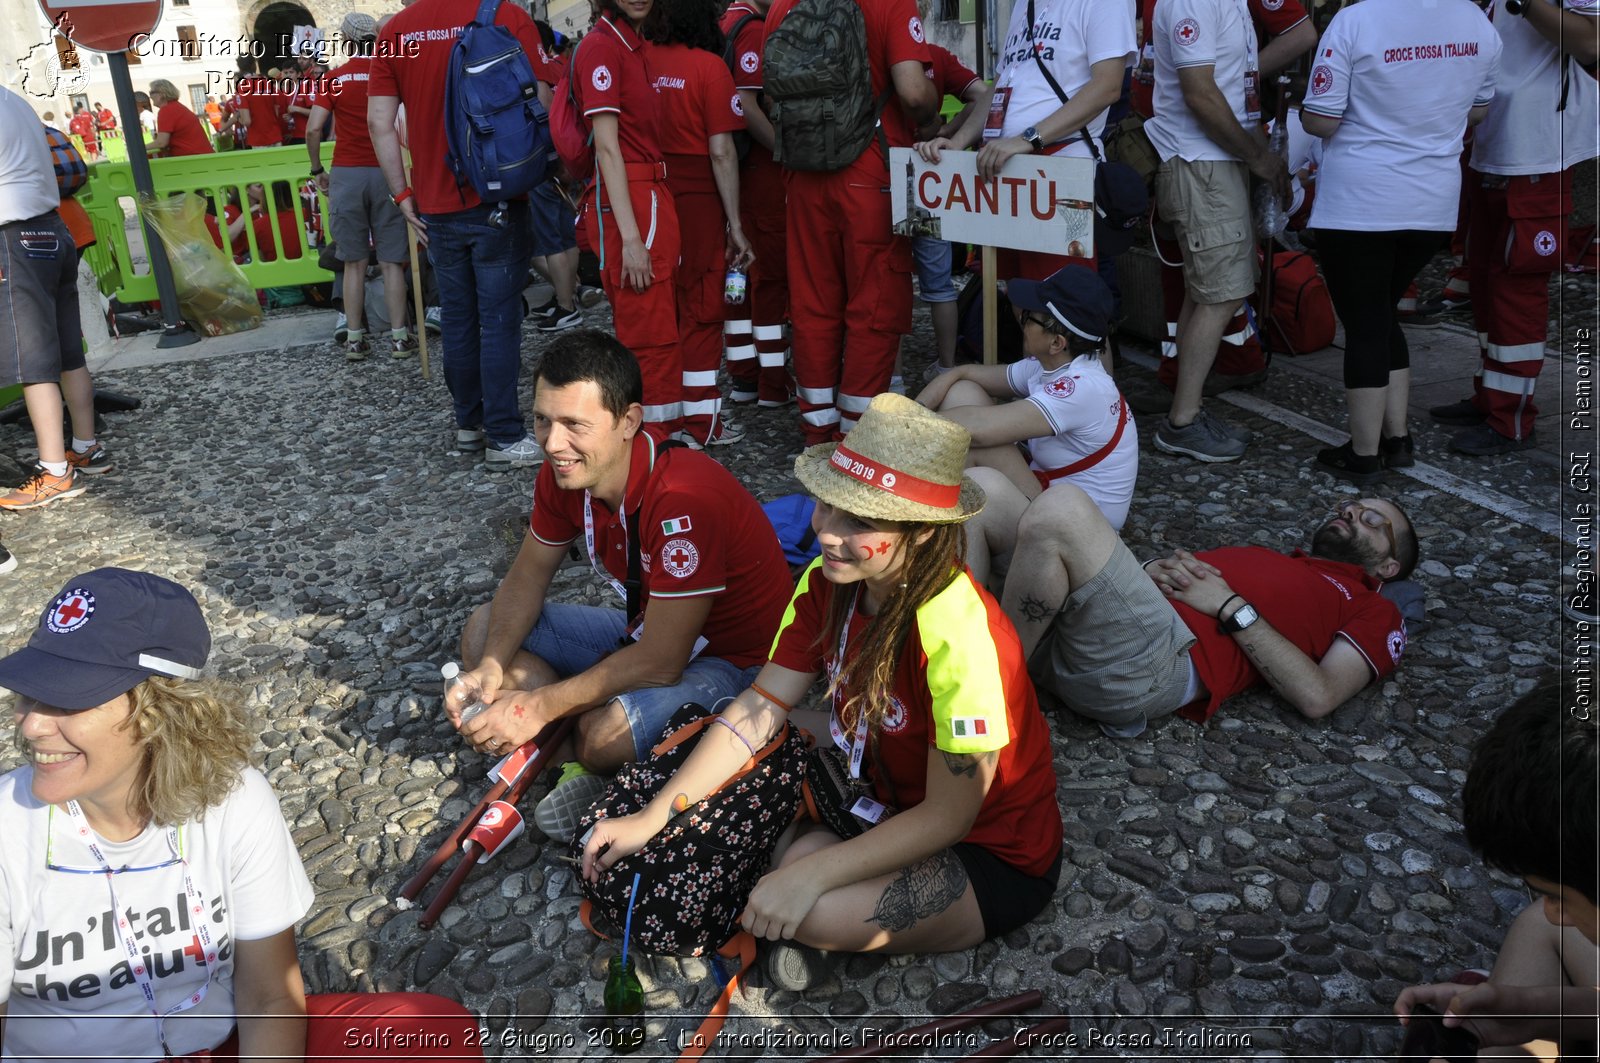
<point x="1263" y="886"/>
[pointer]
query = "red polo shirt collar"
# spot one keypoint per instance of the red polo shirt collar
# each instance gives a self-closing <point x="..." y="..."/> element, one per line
<point x="624" y="32"/>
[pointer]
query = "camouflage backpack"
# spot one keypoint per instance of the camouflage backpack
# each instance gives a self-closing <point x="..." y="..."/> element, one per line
<point x="818" y="81"/>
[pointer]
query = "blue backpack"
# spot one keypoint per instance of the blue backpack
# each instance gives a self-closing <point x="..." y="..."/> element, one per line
<point x="791" y="519"/>
<point x="497" y="132"/>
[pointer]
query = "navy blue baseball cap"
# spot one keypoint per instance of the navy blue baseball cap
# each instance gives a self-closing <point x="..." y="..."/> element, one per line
<point x="106" y="632"/>
<point x="1073" y="295"/>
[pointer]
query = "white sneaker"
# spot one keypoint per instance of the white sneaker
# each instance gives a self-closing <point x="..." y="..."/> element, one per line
<point x="727" y="433"/>
<point x="589" y="296"/>
<point x="341" y="329"/>
<point x="433" y="320"/>
<point x="469" y="440"/>
<point x="525" y="453"/>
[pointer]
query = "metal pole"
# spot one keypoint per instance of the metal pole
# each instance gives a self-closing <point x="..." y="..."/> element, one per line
<point x="174" y="332"/>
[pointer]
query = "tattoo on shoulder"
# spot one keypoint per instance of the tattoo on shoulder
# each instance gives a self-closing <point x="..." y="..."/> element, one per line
<point x="964" y="763"/>
<point x="1035" y="610"/>
<point x="921" y="891"/>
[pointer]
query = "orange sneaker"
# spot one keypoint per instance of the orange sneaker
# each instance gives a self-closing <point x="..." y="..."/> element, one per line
<point x="93" y="461"/>
<point x="42" y="488"/>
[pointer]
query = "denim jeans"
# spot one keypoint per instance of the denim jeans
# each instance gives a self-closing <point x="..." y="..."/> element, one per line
<point x="481" y="271"/>
<point x="573" y="638"/>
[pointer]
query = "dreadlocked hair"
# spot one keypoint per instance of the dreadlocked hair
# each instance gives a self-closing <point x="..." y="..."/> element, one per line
<point x="926" y="568"/>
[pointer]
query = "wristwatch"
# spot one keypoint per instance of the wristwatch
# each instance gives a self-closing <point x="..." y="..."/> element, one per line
<point x="1031" y="135"/>
<point x="319" y="171"/>
<point x="1242" y="618"/>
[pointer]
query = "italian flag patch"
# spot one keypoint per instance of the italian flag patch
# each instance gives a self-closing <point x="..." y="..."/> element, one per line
<point x="675" y="526"/>
<point x="969" y="726"/>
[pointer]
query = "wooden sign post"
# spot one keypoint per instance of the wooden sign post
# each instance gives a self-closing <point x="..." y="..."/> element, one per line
<point x="1036" y="203"/>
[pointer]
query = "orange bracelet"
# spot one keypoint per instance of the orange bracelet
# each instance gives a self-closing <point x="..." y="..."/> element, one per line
<point x="784" y="705"/>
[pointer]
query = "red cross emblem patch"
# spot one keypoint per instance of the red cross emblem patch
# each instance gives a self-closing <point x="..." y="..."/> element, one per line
<point x="1321" y="80"/>
<point x="680" y="558"/>
<point x="1186" y="32"/>
<point x="70" y="611"/>
<point x="1061" y="387"/>
<point x="601" y="78"/>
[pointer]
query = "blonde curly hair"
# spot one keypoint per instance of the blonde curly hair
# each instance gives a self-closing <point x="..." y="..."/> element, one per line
<point x="196" y="739"/>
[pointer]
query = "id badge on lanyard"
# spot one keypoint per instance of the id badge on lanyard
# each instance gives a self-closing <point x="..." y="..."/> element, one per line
<point x="1252" y="95"/>
<point x="996" y="122"/>
<point x="857" y="748"/>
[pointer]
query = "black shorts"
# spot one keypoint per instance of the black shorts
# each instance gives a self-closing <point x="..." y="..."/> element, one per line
<point x="39" y="301"/>
<point x="1007" y="898"/>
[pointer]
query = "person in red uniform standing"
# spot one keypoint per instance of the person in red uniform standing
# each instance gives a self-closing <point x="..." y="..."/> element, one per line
<point x="260" y="107"/>
<point x="700" y="112"/>
<point x="628" y="215"/>
<point x="849" y="275"/>
<point x="82" y="126"/>
<point x="756" y="344"/>
<point x="103" y="118"/>
<point x="480" y="253"/>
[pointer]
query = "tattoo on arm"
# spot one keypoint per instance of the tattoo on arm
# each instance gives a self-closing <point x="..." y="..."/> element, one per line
<point x="921" y="891"/>
<point x="963" y="763"/>
<point x="1034" y="610"/>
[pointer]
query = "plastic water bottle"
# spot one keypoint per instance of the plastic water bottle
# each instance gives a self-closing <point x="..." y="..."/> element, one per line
<point x="734" y="286"/>
<point x="624" y="998"/>
<point x="473" y="696"/>
<point x="1271" y="218"/>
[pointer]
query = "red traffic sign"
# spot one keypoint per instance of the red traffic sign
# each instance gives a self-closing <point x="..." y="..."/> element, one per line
<point x="103" y="25"/>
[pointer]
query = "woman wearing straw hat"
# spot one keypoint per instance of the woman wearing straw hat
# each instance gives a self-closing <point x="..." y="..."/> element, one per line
<point x="137" y="797"/>
<point x="931" y="701"/>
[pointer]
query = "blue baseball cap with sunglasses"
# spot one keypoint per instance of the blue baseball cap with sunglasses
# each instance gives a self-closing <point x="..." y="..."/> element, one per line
<point x="1074" y="295"/>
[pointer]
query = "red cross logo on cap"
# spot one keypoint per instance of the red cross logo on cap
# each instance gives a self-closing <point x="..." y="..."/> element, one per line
<point x="1186" y="32"/>
<point x="70" y="611"/>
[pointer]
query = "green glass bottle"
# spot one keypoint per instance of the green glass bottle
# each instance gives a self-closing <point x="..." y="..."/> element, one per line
<point x="625" y="1006"/>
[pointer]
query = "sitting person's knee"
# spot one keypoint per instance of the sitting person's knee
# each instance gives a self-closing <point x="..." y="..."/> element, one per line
<point x="1059" y="514"/>
<point x="473" y="633"/>
<point x="602" y="739"/>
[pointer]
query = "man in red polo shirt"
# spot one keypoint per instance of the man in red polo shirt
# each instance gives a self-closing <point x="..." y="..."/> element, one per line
<point x="713" y="582"/>
<point x="849" y="275"/>
<point x="479" y="255"/>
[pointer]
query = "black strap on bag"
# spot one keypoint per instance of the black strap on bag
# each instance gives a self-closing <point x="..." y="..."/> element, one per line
<point x="1055" y="86"/>
<point x="634" y="584"/>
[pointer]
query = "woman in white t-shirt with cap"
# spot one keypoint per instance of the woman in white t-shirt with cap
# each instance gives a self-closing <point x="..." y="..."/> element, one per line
<point x="137" y="797"/>
<point x="1053" y="416"/>
<point x="1394" y="86"/>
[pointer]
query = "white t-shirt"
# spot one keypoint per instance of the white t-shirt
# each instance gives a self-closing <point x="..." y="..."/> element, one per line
<point x="1072" y="36"/>
<point x="56" y="940"/>
<point x="1523" y="133"/>
<point x="27" y="176"/>
<point x="1398" y="167"/>
<point x="1083" y="406"/>
<point x="1215" y="33"/>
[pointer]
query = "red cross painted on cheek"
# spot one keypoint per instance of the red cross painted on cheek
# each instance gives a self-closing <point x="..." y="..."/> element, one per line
<point x="881" y="548"/>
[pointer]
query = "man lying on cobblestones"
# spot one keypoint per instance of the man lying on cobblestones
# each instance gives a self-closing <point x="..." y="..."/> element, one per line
<point x="1123" y="647"/>
<point x="713" y="583"/>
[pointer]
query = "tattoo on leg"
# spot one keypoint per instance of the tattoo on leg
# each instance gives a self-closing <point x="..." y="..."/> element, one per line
<point x="921" y="891"/>
<point x="1035" y="610"/>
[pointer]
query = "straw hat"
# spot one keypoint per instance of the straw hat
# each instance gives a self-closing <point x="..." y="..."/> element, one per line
<point x="901" y="462"/>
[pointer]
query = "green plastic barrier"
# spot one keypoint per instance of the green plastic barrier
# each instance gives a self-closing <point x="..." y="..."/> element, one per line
<point x="210" y="175"/>
<point x="112" y="147"/>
